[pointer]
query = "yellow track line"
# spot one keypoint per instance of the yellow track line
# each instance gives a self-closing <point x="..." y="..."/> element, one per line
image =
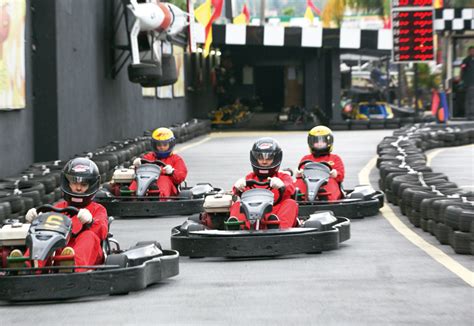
<point x="431" y="155"/>
<point x="462" y="272"/>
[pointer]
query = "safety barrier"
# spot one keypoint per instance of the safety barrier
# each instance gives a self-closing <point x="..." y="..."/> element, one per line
<point x="39" y="183"/>
<point x="428" y="199"/>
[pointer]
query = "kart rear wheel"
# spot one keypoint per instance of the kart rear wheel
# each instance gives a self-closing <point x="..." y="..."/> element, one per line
<point x="120" y="260"/>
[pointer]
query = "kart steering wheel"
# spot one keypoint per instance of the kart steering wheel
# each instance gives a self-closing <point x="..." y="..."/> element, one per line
<point x="252" y="183"/>
<point x="70" y="210"/>
<point x="309" y="161"/>
<point x="157" y="162"/>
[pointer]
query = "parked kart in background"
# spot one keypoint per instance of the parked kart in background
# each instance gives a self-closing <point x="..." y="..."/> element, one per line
<point x="230" y="116"/>
<point x="359" y="202"/>
<point x="296" y="118"/>
<point x="208" y="236"/>
<point x="146" y="201"/>
<point x="122" y="271"/>
<point x="360" y="104"/>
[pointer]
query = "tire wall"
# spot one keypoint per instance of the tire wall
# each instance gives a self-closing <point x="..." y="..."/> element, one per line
<point x="16" y="132"/>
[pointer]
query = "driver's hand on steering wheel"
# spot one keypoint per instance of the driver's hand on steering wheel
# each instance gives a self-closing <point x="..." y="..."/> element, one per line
<point x="168" y="169"/>
<point x="137" y="162"/>
<point x="276" y="183"/>
<point x="240" y="184"/>
<point x="333" y="173"/>
<point x="84" y="216"/>
<point x="299" y="173"/>
<point x="31" y="215"/>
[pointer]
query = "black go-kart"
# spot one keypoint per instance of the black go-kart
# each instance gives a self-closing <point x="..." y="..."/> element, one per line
<point x="209" y="236"/>
<point x="359" y="202"/>
<point x="122" y="271"/>
<point x="146" y="201"/>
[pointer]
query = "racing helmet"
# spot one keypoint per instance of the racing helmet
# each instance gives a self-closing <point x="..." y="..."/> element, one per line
<point x="80" y="170"/>
<point x="320" y="140"/>
<point x="162" y="136"/>
<point x="267" y="148"/>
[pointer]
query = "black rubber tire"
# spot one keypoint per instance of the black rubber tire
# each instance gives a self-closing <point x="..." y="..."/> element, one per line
<point x="145" y="72"/>
<point x="120" y="260"/>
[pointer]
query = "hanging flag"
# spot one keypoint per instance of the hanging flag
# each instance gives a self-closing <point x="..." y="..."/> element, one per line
<point x="244" y="17"/>
<point x="316" y="10"/>
<point x="438" y="4"/>
<point x="309" y="14"/>
<point x="310" y="8"/>
<point x="206" y="18"/>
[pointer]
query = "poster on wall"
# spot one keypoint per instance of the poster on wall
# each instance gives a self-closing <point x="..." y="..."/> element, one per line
<point x="148" y="91"/>
<point x="178" y="87"/>
<point x="12" y="54"/>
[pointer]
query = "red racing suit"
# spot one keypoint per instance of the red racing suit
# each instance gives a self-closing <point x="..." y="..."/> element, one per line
<point x="286" y="209"/>
<point x="333" y="186"/>
<point x="167" y="184"/>
<point x="87" y="243"/>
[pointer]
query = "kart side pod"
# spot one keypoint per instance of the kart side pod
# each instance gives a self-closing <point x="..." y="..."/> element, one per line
<point x="219" y="203"/>
<point x="13" y="234"/>
<point x="362" y="191"/>
<point x="123" y="176"/>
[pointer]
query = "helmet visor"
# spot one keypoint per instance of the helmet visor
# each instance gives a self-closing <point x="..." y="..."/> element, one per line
<point x="264" y="156"/>
<point x="318" y="142"/>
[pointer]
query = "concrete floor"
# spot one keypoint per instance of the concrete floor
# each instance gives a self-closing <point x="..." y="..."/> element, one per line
<point x="377" y="277"/>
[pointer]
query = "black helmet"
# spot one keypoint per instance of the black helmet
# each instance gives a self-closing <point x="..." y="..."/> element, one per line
<point x="320" y="140"/>
<point x="266" y="148"/>
<point x="80" y="170"/>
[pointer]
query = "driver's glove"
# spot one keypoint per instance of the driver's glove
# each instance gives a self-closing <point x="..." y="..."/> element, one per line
<point x="84" y="216"/>
<point x="137" y="162"/>
<point x="276" y="183"/>
<point x="299" y="173"/>
<point x="31" y="215"/>
<point x="168" y="169"/>
<point x="333" y="173"/>
<point x="240" y="184"/>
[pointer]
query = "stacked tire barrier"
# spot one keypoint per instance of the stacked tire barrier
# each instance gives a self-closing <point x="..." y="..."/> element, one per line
<point x="394" y="123"/>
<point x="427" y="198"/>
<point x="39" y="183"/>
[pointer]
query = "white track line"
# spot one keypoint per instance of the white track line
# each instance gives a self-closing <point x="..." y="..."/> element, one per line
<point x="193" y="144"/>
<point x="462" y="272"/>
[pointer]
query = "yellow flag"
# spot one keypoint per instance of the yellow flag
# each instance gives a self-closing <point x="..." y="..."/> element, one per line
<point x="240" y="19"/>
<point x="203" y="16"/>
<point x="203" y="13"/>
<point x="309" y="14"/>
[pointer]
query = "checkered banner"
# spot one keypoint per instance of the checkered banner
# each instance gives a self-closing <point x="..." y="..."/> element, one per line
<point x="310" y="37"/>
<point x="458" y="19"/>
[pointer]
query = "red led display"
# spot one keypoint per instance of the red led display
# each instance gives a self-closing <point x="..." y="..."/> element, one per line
<point x="412" y="35"/>
<point x="412" y="3"/>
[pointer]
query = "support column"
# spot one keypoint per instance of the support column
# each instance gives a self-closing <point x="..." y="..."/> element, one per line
<point x="335" y="86"/>
<point x="45" y="82"/>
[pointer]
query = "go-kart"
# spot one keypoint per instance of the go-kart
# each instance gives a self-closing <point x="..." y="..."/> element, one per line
<point x="359" y="202"/>
<point x="146" y="201"/>
<point x="195" y="238"/>
<point x="121" y="272"/>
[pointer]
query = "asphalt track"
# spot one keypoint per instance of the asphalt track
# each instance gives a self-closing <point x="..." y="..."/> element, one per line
<point x="379" y="276"/>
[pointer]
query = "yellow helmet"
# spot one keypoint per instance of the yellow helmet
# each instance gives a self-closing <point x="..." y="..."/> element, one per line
<point x="320" y="140"/>
<point x="162" y="136"/>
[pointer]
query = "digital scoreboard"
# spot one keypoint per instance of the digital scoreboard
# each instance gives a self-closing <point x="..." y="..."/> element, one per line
<point x="411" y="3"/>
<point x="412" y="27"/>
<point x="413" y="35"/>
